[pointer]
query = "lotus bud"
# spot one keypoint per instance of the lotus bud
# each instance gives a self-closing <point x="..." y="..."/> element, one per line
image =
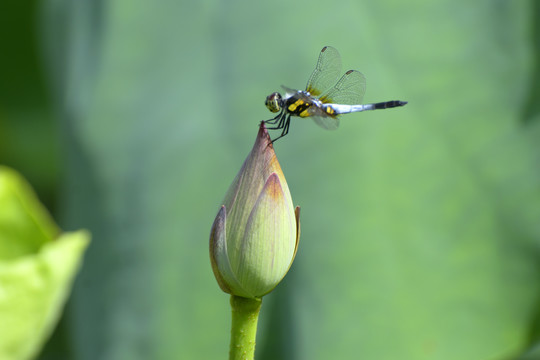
<point x="255" y="235"/>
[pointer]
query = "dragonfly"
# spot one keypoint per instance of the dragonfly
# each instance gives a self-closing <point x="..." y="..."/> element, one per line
<point x="325" y="97"/>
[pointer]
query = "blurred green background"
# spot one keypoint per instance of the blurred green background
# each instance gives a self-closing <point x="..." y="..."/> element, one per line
<point x="420" y="225"/>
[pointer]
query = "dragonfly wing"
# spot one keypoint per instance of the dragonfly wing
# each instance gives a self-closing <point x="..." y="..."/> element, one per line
<point x="326" y="72"/>
<point x="349" y="90"/>
<point x="326" y="122"/>
<point x="288" y="90"/>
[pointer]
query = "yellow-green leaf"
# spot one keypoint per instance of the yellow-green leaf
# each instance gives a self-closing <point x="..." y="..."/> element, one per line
<point x="37" y="268"/>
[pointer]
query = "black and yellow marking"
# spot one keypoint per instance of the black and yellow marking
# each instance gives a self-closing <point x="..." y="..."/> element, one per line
<point x="298" y="107"/>
<point x="294" y="105"/>
<point x="329" y="110"/>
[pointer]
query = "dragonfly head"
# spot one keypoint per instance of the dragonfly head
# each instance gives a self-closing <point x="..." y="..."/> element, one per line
<point x="274" y="102"/>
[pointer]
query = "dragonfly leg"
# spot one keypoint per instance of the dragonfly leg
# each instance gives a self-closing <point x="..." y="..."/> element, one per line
<point x="274" y="120"/>
<point x="285" y="125"/>
<point x="281" y="122"/>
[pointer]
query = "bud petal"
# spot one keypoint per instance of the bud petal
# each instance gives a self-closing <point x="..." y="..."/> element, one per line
<point x="269" y="242"/>
<point x="297" y="218"/>
<point x="219" y="257"/>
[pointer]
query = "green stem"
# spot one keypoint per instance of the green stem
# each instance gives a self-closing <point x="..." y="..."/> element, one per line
<point x="245" y="313"/>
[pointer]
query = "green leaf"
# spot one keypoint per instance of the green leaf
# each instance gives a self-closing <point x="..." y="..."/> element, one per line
<point x="23" y="217"/>
<point x="37" y="268"/>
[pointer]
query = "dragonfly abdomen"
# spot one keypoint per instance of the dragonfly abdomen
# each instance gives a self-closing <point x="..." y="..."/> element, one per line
<point x="388" y="104"/>
<point x="345" y="109"/>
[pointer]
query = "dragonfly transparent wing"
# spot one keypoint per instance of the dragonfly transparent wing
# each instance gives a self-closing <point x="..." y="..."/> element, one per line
<point x="326" y="122"/>
<point x="326" y="72"/>
<point x="323" y="119"/>
<point x="349" y="90"/>
<point x="288" y="90"/>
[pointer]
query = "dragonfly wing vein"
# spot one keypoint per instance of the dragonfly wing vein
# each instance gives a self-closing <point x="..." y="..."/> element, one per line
<point x="326" y="72"/>
<point x="349" y="90"/>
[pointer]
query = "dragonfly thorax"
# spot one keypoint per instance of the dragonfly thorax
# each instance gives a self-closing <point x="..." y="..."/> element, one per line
<point x="274" y="102"/>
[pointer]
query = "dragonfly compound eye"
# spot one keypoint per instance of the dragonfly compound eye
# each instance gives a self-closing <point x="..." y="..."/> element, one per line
<point x="273" y="102"/>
